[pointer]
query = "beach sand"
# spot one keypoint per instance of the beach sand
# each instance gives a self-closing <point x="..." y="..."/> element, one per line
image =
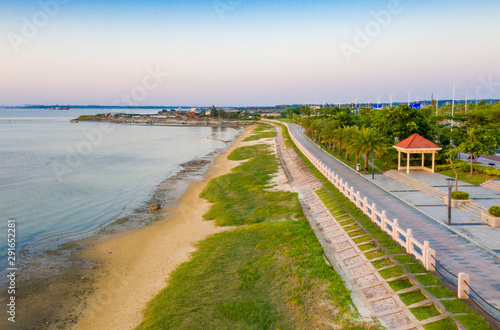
<point x="135" y="265"/>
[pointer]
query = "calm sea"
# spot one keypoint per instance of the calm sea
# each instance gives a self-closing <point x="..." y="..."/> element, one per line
<point x="63" y="180"/>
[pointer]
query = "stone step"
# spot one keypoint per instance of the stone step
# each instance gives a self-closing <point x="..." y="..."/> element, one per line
<point x="434" y="192"/>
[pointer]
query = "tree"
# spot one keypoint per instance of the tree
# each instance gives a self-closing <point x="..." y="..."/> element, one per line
<point x="451" y="154"/>
<point x="479" y="142"/>
<point x="214" y="112"/>
<point x="402" y="121"/>
<point x="367" y="140"/>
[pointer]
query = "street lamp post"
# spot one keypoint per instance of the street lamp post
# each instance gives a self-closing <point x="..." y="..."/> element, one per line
<point x="450" y="182"/>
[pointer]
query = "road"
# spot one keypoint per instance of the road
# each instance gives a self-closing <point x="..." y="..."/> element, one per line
<point x="453" y="252"/>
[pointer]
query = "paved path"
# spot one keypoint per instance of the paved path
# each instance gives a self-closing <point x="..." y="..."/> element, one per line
<point x="370" y="292"/>
<point x="466" y="223"/>
<point x="453" y="252"/>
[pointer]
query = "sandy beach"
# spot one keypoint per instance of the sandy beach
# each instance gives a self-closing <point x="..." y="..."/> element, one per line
<point x="134" y="266"/>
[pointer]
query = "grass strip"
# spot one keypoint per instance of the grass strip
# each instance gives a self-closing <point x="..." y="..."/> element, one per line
<point x="444" y="324"/>
<point x="405" y="259"/>
<point x="264" y="276"/>
<point x="400" y="284"/>
<point x="241" y="198"/>
<point x="473" y="322"/>
<point x="391" y="272"/>
<point x="425" y="312"/>
<point x="382" y="263"/>
<point x="440" y="292"/>
<point x="412" y="297"/>
<point x="456" y="306"/>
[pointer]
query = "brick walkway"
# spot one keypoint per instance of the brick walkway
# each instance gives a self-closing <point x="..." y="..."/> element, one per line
<point x="453" y="252"/>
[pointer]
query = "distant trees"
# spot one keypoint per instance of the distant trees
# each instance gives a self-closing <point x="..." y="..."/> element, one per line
<point x="214" y="112"/>
<point x="479" y="141"/>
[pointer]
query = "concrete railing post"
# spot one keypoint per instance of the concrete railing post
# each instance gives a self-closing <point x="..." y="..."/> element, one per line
<point x="365" y="205"/>
<point x="409" y="235"/>
<point x="463" y="289"/>
<point x="382" y="221"/>
<point x="430" y="264"/>
<point x="395" y="225"/>
<point x="374" y="212"/>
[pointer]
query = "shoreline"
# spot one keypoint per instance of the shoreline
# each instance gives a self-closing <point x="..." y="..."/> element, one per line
<point x="136" y="264"/>
<point x="55" y="286"/>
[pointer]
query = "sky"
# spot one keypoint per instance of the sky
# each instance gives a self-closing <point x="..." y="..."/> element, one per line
<point x="239" y="53"/>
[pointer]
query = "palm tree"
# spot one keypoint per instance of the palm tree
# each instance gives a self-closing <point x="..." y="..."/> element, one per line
<point x="367" y="140"/>
<point x="353" y="146"/>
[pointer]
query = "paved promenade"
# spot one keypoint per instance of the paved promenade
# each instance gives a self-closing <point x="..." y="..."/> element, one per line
<point x="454" y="252"/>
<point x="466" y="223"/>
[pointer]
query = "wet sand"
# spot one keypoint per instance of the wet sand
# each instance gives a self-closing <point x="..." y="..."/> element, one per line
<point x="134" y="266"/>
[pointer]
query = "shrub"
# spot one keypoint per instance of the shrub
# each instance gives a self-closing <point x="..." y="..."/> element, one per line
<point x="494" y="210"/>
<point x="460" y="195"/>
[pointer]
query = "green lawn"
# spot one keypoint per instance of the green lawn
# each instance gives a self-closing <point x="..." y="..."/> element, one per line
<point x="241" y="198"/>
<point x="400" y="284"/>
<point x="264" y="275"/>
<point x="412" y="297"/>
<point x="261" y="132"/>
<point x="475" y="179"/>
<point x="425" y="312"/>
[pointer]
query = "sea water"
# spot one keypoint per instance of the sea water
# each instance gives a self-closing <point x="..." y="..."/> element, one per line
<point x="61" y="181"/>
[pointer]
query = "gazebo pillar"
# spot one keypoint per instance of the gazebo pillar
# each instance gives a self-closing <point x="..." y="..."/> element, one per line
<point x="399" y="160"/>
<point x="408" y="163"/>
<point x="433" y="160"/>
<point x="423" y="159"/>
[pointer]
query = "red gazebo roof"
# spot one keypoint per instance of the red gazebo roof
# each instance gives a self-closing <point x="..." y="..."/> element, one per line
<point x="416" y="142"/>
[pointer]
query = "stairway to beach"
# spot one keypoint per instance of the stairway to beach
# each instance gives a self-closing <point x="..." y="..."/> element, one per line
<point x="492" y="184"/>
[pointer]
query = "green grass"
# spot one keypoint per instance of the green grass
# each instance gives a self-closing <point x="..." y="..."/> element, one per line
<point x="440" y="292"/>
<point x="287" y="144"/>
<point x="355" y="233"/>
<point x="473" y="322"/>
<point x="396" y="250"/>
<point x="416" y="268"/>
<point x="382" y="263"/>
<point x="400" y="284"/>
<point x="362" y="239"/>
<point x="404" y="259"/>
<point x="427" y="279"/>
<point x="241" y="198"/>
<point x="267" y="275"/>
<point x="456" y="306"/>
<point x="444" y="324"/>
<point x="475" y="179"/>
<point x="374" y="254"/>
<point x="365" y="247"/>
<point x="413" y="297"/>
<point x="391" y="272"/>
<point x="425" y="312"/>
<point x="263" y="132"/>
<point x="264" y="276"/>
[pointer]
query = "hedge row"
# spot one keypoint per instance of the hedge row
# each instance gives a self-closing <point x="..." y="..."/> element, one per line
<point x="465" y="167"/>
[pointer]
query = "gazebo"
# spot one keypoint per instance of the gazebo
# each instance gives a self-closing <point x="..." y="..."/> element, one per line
<point x="416" y="144"/>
